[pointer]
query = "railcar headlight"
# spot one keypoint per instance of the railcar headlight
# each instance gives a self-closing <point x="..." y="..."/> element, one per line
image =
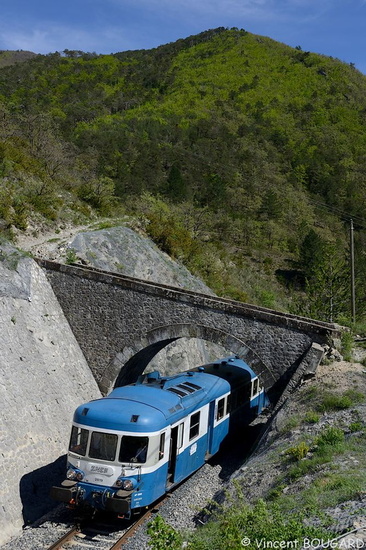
<point x="125" y="484"/>
<point x="74" y="474"/>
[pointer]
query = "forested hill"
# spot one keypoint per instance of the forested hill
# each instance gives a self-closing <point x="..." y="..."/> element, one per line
<point x="242" y="157"/>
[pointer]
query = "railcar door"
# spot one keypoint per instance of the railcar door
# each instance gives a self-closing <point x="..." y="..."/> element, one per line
<point x="210" y="428"/>
<point x="172" y="455"/>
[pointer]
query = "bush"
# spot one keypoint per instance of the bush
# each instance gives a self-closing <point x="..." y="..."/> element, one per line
<point x="311" y="417"/>
<point x="347" y="342"/>
<point x="71" y="257"/>
<point x="99" y="193"/>
<point x="332" y="436"/>
<point x="299" y="452"/>
<point x="163" y="536"/>
<point x="262" y="523"/>
<point x="355" y="426"/>
<point x="333" y="402"/>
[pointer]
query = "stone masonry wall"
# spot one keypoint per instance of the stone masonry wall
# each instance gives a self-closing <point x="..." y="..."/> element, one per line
<point x="111" y="313"/>
<point x="43" y="378"/>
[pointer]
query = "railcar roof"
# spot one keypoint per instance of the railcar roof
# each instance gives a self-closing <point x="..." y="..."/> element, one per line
<point x="152" y="403"/>
<point x="232" y="369"/>
<point x="231" y="364"/>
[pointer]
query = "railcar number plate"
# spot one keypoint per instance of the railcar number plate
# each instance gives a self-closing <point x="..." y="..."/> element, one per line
<point x="101" y="470"/>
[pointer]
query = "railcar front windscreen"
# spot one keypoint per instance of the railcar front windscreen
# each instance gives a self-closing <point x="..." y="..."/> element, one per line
<point x="133" y="449"/>
<point x="103" y="446"/>
<point x="78" y="440"/>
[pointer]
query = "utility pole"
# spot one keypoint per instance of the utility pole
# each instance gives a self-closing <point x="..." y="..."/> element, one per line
<point x="353" y="294"/>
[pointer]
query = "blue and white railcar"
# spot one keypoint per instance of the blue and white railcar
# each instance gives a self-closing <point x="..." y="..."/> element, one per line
<point x="131" y="447"/>
<point x="247" y="396"/>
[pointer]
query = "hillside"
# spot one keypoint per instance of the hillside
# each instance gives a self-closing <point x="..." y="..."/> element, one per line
<point x="9" y="57"/>
<point x="239" y="156"/>
<point x="304" y="486"/>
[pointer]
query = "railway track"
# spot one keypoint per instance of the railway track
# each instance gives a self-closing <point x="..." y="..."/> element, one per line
<point x="95" y="535"/>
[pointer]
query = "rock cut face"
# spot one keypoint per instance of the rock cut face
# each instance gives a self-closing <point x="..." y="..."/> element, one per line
<point x="122" y="250"/>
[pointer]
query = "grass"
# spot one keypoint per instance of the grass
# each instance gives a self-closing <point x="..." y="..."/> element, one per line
<point x="334" y="402"/>
<point x="330" y="442"/>
<point x="356" y="426"/>
<point x="335" y="470"/>
<point x="311" y="417"/>
<point x="319" y="401"/>
<point x="293" y="422"/>
<point x="262" y="523"/>
<point x="328" y="490"/>
<point x="336" y="473"/>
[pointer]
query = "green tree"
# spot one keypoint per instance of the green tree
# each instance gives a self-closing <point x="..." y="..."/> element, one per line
<point x="311" y="253"/>
<point x="176" y="187"/>
<point x="99" y="193"/>
<point x="327" y="287"/>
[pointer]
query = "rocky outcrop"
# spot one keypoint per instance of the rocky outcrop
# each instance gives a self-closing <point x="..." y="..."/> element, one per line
<point x="121" y="250"/>
<point x="124" y="251"/>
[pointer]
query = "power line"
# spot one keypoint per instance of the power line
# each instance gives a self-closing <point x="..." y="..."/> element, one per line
<point x="345" y="215"/>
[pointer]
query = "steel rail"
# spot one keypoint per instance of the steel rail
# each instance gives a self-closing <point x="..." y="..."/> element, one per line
<point x="121" y="541"/>
<point x="65" y="538"/>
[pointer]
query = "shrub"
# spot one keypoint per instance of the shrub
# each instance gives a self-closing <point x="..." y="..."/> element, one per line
<point x="71" y="257"/>
<point x="162" y="535"/>
<point x="99" y="193"/>
<point x="346" y="345"/>
<point x="331" y="436"/>
<point x="355" y="426"/>
<point x="299" y="452"/>
<point x="333" y="402"/>
<point x="261" y="523"/>
<point x="311" y="417"/>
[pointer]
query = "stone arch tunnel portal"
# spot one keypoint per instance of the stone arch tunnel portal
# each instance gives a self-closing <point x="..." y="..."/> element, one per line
<point x="121" y="323"/>
<point x="130" y="363"/>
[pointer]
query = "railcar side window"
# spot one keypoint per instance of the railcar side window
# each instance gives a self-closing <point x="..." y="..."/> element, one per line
<point x="220" y="408"/>
<point x="133" y="449"/>
<point x="103" y="446"/>
<point x="255" y="388"/>
<point x="161" y="445"/>
<point x="78" y="440"/>
<point x="228" y="404"/>
<point x="194" y="426"/>
<point x="180" y="435"/>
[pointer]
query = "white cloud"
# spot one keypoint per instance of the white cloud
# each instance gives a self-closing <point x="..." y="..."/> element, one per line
<point x="118" y="25"/>
<point x="34" y="40"/>
<point x="51" y="38"/>
<point x="253" y="9"/>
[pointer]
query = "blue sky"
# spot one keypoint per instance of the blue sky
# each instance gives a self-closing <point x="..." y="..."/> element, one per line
<point x="330" y="27"/>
